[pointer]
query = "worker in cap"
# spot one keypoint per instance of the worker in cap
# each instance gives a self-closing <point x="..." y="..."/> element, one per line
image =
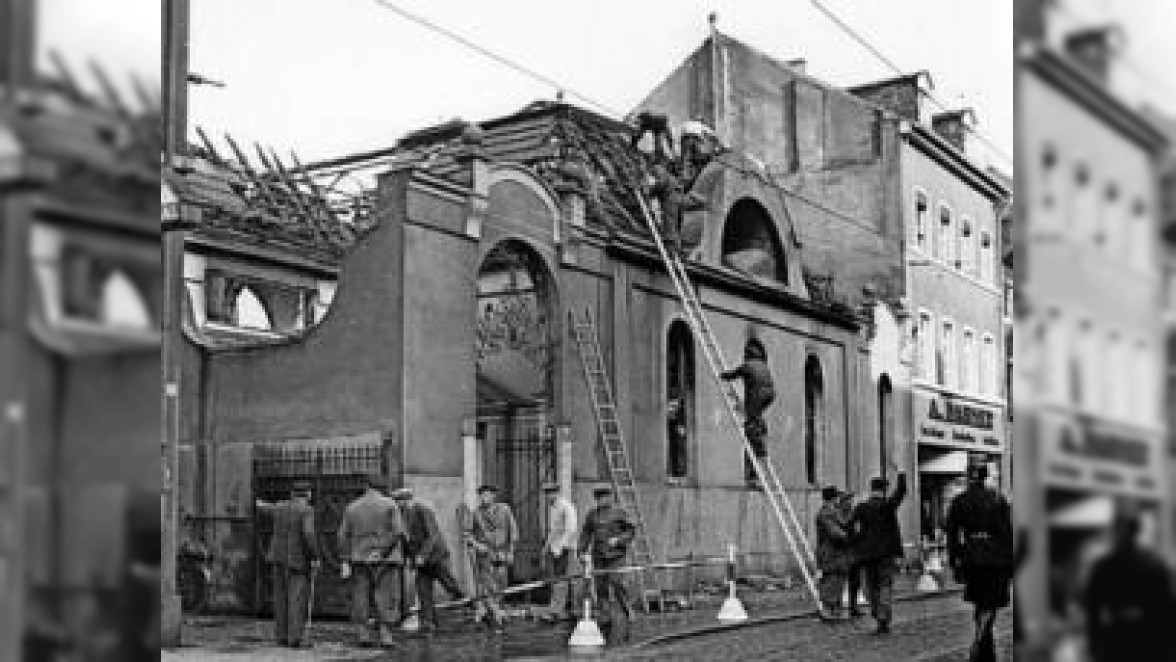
<point x="558" y="548"/>
<point x="370" y="545"/>
<point x="877" y="545"/>
<point x="759" y="391"/>
<point x="425" y="548"/>
<point x="980" y="552"/>
<point x="607" y="534"/>
<point x="293" y="555"/>
<point x="834" y="555"/>
<point x="493" y="538"/>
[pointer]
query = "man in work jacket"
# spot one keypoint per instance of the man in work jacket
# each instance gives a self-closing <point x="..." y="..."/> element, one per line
<point x="561" y="540"/>
<point x="607" y="534"/>
<point x="493" y="538"/>
<point x="427" y="551"/>
<point x="878" y="545"/>
<point x="294" y="556"/>
<point x="371" y="547"/>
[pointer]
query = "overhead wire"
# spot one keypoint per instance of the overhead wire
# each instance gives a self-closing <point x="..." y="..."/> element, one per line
<point x="869" y="46"/>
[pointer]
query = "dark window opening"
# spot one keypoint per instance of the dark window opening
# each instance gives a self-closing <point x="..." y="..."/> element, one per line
<point x="679" y="399"/>
<point x="814" y="405"/>
<point x="885" y="421"/>
<point x="750" y="242"/>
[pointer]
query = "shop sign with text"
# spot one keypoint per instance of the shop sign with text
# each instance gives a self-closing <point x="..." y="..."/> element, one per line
<point x="949" y="421"/>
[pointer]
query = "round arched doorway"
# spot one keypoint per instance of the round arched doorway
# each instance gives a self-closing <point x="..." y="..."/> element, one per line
<point x="516" y="357"/>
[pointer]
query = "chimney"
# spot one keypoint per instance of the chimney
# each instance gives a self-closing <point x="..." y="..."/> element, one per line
<point x="799" y="65"/>
<point x="953" y="126"/>
<point x="1093" y="49"/>
<point x="1030" y="19"/>
<point x="18" y="27"/>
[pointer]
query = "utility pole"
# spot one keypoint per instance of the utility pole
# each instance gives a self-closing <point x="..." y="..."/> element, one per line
<point x="173" y="223"/>
<point x="17" y="38"/>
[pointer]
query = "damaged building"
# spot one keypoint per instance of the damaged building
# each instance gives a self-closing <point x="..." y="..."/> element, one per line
<point x="426" y="332"/>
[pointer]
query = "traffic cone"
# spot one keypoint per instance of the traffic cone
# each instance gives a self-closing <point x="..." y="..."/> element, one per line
<point x="861" y="598"/>
<point x="587" y="633"/>
<point x="732" y="610"/>
<point x="413" y="622"/>
<point x="927" y="582"/>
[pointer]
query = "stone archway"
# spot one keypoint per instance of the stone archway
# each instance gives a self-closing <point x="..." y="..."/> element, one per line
<point x="517" y="350"/>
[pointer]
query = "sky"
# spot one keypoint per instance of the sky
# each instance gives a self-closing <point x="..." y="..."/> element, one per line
<point x="331" y="77"/>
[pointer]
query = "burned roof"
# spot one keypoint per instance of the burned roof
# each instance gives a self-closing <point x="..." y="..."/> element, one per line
<point x="562" y="144"/>
<point x="271" y="201"/>
<point x="98" y="154"/>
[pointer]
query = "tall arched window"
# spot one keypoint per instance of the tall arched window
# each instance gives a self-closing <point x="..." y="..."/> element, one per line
<point x="249" y="312"/>
<point x="750" y="242"/>
<point x="679" y="399"/>
<point x="814" y="415"/>
<point x="885" y="421"/>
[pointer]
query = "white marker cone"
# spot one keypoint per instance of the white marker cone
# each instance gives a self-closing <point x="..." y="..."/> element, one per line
<point x="861" y="598"/>
<point x="587" y="633"/>
<point x="732" y="610"/>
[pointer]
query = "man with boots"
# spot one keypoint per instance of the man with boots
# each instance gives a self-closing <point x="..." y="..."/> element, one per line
<point x="833" y="552"/>
<point x="758" y="393"/>
<point x="607" y="534"/>
<point x="426" y="549"/>
<point x="561" y="540"/>
<point x="980" y="552"/>
<point x="878" y="545"/>
<point x="493" y="537"/>
<point x="371" y="548"/>
<point x="293" y="555"/>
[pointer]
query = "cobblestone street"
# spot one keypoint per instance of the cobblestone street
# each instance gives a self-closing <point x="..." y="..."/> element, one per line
<point x="931" y="629"/>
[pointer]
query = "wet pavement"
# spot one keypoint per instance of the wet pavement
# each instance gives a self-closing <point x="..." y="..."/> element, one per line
<point x="227" y="639"/>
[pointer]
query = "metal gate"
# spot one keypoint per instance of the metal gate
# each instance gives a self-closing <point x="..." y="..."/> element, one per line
<point x="337" y="476"/>
<point x="521" y="465"/>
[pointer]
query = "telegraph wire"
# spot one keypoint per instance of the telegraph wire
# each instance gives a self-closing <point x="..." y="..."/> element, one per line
<point x="868" y="45"/>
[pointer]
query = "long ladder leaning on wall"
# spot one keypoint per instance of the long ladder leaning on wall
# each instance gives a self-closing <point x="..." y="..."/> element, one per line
<point x="615" y="451"/>
<point x="773" y="489"/>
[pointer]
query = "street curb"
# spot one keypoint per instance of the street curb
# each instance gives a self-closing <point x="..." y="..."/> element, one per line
<point x="775" y="618"/>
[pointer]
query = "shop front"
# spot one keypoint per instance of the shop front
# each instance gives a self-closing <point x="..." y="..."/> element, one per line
<point x="954" y="432"/>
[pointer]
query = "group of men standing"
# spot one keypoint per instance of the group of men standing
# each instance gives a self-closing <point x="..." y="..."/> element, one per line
<point x="381" y="536"/>
<point x="865" y="541"/>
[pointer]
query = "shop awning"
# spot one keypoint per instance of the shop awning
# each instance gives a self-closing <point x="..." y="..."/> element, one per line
<point x="1087" y="513"/>
<point x="949" y="462"/>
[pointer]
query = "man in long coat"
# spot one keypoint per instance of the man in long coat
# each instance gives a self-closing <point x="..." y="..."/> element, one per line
<point x="371" y="548"/>
<point x="293" y="555"/>
<point x="834" y="555"/>
<point x="878" y="545"/>
<point x="493" y="538"/>
<point x="1129" y="600"/>
<point x="980" y="550"/>
<point x="425" y="547"/>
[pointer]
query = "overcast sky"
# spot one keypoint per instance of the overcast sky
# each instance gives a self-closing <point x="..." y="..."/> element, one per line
<point x="328" y="77"/>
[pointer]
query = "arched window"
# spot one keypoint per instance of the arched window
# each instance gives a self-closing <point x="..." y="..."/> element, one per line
<point x="885" y="421"/>
<point x="249" y="312"/>
<point x="750" y="242"/>
<point x="123" y="304"/>
<point x="814" y="416"/>
<point x="679" y="399"/>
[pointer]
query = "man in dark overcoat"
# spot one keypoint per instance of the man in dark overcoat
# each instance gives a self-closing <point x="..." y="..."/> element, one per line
<point x="878" y="545"/>
<point x="980" y="552"/>
<point x="293" y="555"/>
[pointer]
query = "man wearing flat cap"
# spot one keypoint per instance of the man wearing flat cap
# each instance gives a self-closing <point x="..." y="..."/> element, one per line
<point x="607" y="534"/>
<point x="833" y="551"/>
<point x="371" y="548"/>
<point x="493" y="537"/>
<point x="293" y="555"/>
<point x="980" y="552"/>
<point x="426" y="549"/>
<point x="878" y="545"/>
<point x="558" y="547"/>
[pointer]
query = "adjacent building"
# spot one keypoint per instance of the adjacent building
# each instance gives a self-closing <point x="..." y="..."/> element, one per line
<point x="1090" y="334"/>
